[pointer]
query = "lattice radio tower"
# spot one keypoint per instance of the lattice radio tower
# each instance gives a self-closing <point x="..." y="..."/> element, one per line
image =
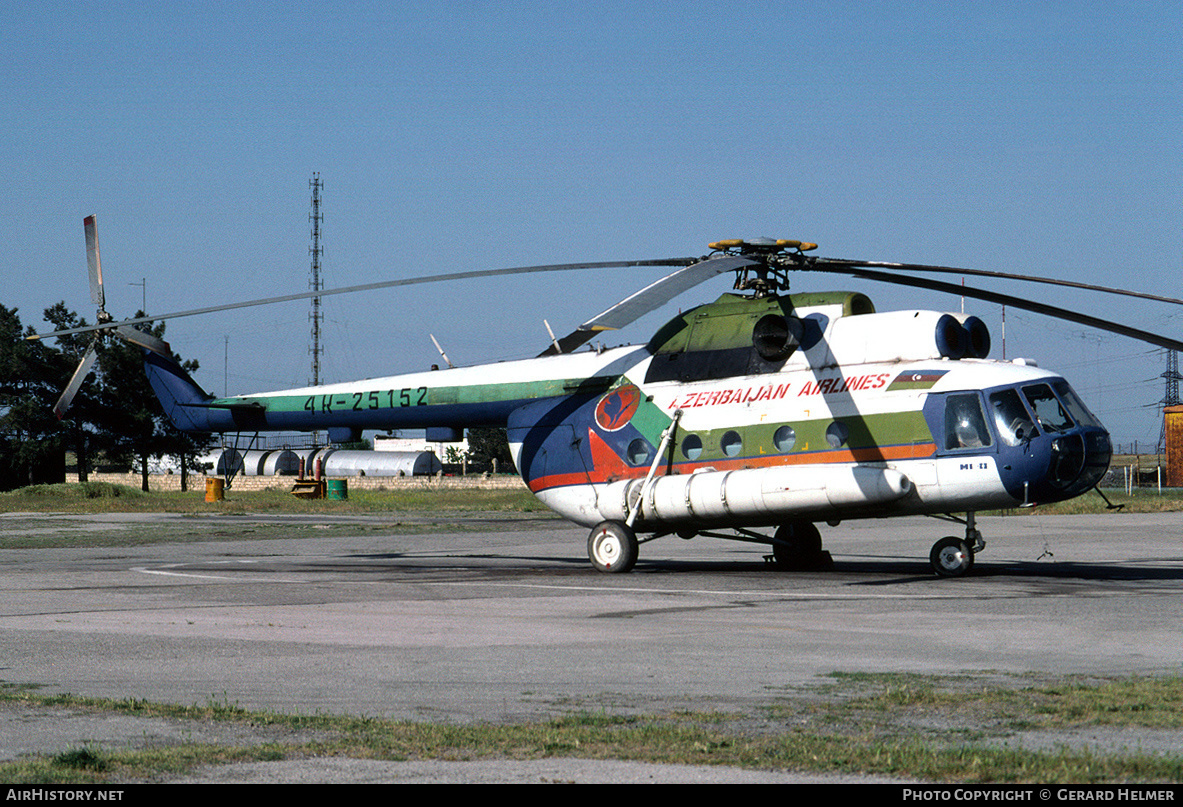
<point x="316" y="283"/>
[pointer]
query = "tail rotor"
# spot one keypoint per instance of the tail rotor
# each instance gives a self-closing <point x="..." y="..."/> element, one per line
<point x="125" y="332"/>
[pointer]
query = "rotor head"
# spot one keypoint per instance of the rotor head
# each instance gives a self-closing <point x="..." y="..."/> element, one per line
<point x="768" y="254"/>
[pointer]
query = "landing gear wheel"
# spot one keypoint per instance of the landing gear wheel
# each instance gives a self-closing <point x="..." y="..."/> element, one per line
<point x="951" y="557"/>
<point x="612" y="547"/>
<point x="798" y="546"/>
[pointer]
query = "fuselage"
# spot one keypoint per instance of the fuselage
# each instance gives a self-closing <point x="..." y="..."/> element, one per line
<point x="745" y="412"/>
<point x="866" y="440"/>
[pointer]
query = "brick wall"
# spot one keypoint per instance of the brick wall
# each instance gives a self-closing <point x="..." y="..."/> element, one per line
<point x="242" y="482"/>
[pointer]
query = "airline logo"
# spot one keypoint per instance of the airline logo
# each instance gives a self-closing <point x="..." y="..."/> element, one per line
<point x="617" y="408"/>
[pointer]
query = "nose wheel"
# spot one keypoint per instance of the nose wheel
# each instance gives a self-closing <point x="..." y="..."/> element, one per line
<point x="953" y="556"/>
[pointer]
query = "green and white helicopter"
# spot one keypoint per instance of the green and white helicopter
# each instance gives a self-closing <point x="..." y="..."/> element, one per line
<point x="753" y="418"/>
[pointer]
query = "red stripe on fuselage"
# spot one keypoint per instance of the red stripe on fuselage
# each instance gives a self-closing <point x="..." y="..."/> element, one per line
<point x="607" y="466"/>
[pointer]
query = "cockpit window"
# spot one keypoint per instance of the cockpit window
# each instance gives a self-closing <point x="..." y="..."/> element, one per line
<point x="1048" y="411"/>
<point x="1011" y="417"/>
<point x="1074" y="405"/>
<point x="965" y="426"/>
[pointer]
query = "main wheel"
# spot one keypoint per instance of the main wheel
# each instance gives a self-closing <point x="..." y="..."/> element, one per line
<point x="951" y="557"/>
<point x="798" y="545"/>
<point x="612" y="547"/>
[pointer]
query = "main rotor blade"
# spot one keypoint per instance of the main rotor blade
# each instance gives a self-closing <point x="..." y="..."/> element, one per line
<point x="647" y="299"/>
<point x="144" y="340"/>
<point x="953" y="270"/>
<point x="90" y="224"/>
<point x="386" y="284"/>
<point x="1004" y="299"/>
<point x="84" y="367"/>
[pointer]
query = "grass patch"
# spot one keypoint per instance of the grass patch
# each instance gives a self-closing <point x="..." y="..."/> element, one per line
<point x="942" y="729"/>
<point x="952" y="705"/>
<point x="103" y="497"/>
<point x="1138" y="702"/>
<point x="1142" y="500"/>
<point x="81" y="759"/>
<point x="89" y="496"/>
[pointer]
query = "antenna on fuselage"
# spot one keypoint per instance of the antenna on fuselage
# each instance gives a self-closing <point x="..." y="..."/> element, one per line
<point x="553" y="340"/>
<point x="447" y="361"/>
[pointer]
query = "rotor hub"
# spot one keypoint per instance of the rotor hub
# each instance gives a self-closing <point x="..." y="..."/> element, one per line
<point x="760" y="246"/>
<point x="773" y="256"/>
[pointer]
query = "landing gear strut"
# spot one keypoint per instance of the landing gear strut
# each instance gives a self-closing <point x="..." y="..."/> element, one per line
<point x="953" y="556"/>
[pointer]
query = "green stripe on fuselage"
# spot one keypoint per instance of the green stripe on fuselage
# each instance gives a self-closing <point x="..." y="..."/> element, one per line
<point x="363" y="398"/>
<point x="865" y="432"/>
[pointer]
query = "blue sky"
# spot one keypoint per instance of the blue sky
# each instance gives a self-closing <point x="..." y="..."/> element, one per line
<point x="452" y="136"/>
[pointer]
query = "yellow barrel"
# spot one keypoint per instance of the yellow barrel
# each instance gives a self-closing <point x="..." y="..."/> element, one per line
<point x="214" y="487"/>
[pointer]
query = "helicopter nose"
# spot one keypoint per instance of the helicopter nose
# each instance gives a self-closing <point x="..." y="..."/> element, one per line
<point x="1077" y="461"/>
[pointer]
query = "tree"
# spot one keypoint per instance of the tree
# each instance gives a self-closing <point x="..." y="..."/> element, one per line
<point x="114" y="412"/>
<point x="132" y="425"/>
<point x="83" y="410"/>
<point x="490" y="444"/>
<point x="31" y="445"/>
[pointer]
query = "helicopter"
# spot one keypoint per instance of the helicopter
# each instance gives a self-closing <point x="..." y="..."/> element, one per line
<point x="754" y="417"/>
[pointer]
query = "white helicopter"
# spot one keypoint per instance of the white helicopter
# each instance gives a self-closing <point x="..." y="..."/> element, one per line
<point x="761" y="410"/>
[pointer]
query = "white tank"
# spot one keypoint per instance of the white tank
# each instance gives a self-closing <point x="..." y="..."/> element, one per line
<point x="381" y="463"/>
<point x="281" y="463"/>
<point x="229" y="462"/>
<point x="252" y="462"/>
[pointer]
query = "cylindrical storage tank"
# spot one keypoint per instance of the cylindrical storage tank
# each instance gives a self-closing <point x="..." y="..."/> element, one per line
<point x="426" y="463"/>
<point x="320" y="456"/>
<point x="252" y="462"/>
<point x="281" y="463"/>
<point x="230" y="461"/>
<point x="382" y="463"/>
<point x="304" y="458"/>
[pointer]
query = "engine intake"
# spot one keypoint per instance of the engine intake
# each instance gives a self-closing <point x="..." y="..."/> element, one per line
<point x="959" y="338"/>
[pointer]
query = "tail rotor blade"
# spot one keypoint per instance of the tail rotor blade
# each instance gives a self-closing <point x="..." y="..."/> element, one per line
<point x="90" y="224"/>
<point x="80" y="374"/>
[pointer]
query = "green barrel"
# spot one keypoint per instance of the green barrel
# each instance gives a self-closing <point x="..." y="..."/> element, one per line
<point x="337" y="489"/>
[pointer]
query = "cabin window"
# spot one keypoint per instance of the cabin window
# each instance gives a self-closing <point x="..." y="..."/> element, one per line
<point x="1048" y="411"/>
<point x="1075" y="406"/>
<point x="638" y="451"/>
<point x="837" y="434"/>
<point x="692" y="447"/>
<point x="965" y="425"/>
<point x="731" y="443"/>
<point x="1011" y="417"/>
<point x="784" y="439"/>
